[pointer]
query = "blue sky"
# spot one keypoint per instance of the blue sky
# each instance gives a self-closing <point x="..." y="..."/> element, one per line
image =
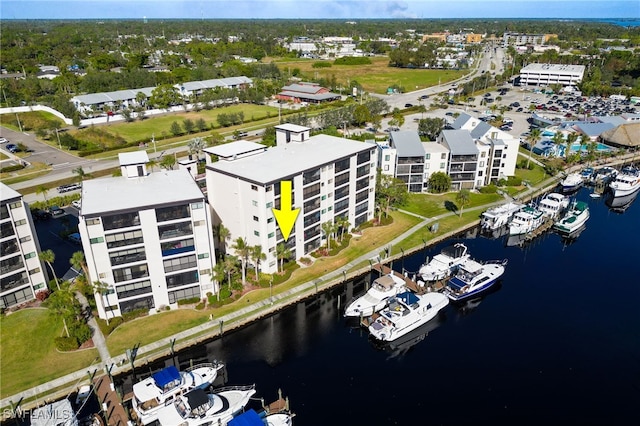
<point x="317" y="9"/>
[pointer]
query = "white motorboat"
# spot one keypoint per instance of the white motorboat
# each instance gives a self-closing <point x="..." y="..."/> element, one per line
<point x="499" y="216"/>
<point x="626" y="182"/>
<point x="406" y="312"/>
<point x="553" y="204"/>
<point x="59" y="413"/>
<point x="199" y="408"/>
<point x="443" y="264"/>
<point x="376" y="297"/>
<point x="473" y="278"/>
<point x="603" y="175"/>
<point x="526" y="220"/>
<point x="572" y="182"/>
<point x="574" y="219"/>
<point x="152" y="393"/>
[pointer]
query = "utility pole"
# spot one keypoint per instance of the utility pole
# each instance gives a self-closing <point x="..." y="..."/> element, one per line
<point x="58" y="136"/>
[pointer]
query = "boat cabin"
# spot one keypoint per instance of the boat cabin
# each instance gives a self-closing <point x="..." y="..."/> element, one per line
<point x="384" y="283"/>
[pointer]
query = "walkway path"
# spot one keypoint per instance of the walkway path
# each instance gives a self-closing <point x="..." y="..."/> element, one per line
<point x="98" y="338"/>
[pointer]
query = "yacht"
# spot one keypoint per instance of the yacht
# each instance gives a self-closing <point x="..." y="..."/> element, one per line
<point x="199" y="408"/>
<point x="499" y="216"/>
<point x="473" y="278"/>
<point x="406" y="312"/>
<point x="604" y="175"/>
<point x="152" y="393"/>
<point x="574" y="219"/>
<point x="253" y="418"/>
<point x="553" y="204"/>
<point x="626" y="182"/>
<point x="526" y="220"/>
<point x="376" y="297"/>
<point x="442" y="265"/>
<point x="571" y="182"/>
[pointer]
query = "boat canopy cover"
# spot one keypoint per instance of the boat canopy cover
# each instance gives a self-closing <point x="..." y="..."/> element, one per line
<point x="581" y="206"/>
<point x="166" y="376"/>
<point x="248" y="418"/>
<point x="456" y="283"/>
<point x="454" y="251"/>
<point x="408" y="298"/>
<point x="197" y="398"/>
<point x="385" y="281"/>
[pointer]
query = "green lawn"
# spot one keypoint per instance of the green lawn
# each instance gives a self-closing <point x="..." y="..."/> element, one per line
<point x="29" y="356"/>
<point x="375" y="77"/>
<point x="430" y="205"/>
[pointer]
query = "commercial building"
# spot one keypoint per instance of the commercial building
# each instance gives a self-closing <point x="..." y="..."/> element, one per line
<point x="147" y="236"/>
<point x="330" y="177"/>
<point x="520" y="39"/>
<point x="311" y="93"/>
<point x="22" y="274"/>
<point x="546" y="74"/>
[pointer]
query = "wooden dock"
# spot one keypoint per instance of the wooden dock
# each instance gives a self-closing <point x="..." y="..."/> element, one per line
<point x="409" y="283"/>
<point x="112" y="408"/>
<point x="548" y="223"/>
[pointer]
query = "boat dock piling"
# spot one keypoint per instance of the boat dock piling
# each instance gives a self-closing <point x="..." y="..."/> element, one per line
<point x="112" y="408"/>
<point x="410" y="283"/>
<point x="548" y="223"/>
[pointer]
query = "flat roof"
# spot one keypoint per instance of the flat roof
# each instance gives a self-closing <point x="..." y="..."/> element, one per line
<point x="290" y="159"/>
<point x="132" y="158"/>
<point x="239" y="147"/>
<point x="292" y="127"/>
<point x="434" y="147"/>
<point x="554" y="68"/>
<point x="7" y="193"/>
<point x="120" y="193"/>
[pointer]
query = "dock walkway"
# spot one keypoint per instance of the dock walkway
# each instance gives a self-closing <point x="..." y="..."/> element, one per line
<point x="112" y="408"/>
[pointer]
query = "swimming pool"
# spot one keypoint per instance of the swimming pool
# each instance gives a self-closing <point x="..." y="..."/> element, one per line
<point x="600" y="147"/>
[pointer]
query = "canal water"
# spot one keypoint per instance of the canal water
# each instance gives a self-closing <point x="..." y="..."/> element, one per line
<point x="558" y="342"/>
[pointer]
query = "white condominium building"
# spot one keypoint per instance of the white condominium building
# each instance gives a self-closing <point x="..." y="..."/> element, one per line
<point x="330" y="177"/>
<point x="21" y="274"/>
<point x="546" y="74"/>
<point x="147" y="236"/>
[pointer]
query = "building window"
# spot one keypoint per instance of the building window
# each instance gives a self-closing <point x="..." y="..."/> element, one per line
<point x="203" y="256"/>
<point x="482" y="164"/>
<point x="270" y="220"/>
<point x="255" y="218"/>
<point x="256" y="233"/>
<point x="270" y="205"/>
<point x="96" y="240"/>
<point x="427" y="156"/>
<point x="179" y="263"/>
<point x="130" y="273"/>
<point x="271" y="234"/>
<point x="30" y="255"/>
<point x="93" y="221"/>
<point x="21" y="222"/>
<point x="196" y="206"/>
<point x="442" y="165"/>
<point x="181" y="279"/>
<point x="175" y="230"/>
<point x="185" y="293"/>
<point x="122" y="257"/>
<point x="443" y="156"/>
<point x="34" y="271"/>
<point x="388" y="157"/>
<point x="134" y="289"/>
<point x="124" y="239"/>
<point x="254" y="203"/>
<point x="172" y="213"/>
<point x="170" y="248"/>
<point x="254" y="187"/>
<point x="25" y="239"/>
<point x="15" y="205"/>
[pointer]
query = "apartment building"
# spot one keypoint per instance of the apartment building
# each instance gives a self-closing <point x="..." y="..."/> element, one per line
<point x="546" y="74"/>
<point x="463" y="159"/>
<point x="147" y="236"/>
<point x="22" y="274"/>
<point x="330" y="177"/>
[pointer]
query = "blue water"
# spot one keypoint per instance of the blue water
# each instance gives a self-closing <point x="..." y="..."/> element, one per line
<point x="600" y="147"/>
<point x="557" y="343"/>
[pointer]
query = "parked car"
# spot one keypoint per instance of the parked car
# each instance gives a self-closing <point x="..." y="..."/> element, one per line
<point x="424" y="97"/>
<point x="40" y="214"/>
<point x="408" y="105"/>
<point x="75" y="238"/>
<point x="4" y="140"/>
<point x="70" y="187"/>
<point x="77" y="204"/>
<point x="56" y="211"/>
<point x="12" y="148"/>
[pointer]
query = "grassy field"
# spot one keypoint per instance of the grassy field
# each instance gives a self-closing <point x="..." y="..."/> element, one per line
<point x="29" y="356"/>
<point x="434" y="205"/>
<point x="375" y="77"/>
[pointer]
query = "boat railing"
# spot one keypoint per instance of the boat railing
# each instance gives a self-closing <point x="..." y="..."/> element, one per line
<point x="235" y="388"/>
<point x="502" y="262"/>
<point x="215" y="364"/>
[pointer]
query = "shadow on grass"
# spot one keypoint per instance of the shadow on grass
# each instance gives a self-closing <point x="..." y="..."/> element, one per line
<point x="450" y="206"/>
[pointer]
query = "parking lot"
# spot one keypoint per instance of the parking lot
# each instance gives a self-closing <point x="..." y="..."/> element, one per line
<point x="50" y="233"/>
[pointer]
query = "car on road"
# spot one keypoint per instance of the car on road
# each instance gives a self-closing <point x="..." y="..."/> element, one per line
<point x="12" y="148"/>
<point x="424" y="97"/>
<point x="69" y="187"/>
<point x="408" y="105"/>
<point x="4" y="140"/>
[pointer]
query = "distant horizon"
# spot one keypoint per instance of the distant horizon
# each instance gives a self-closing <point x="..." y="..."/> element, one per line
<point x="317" y="9"/>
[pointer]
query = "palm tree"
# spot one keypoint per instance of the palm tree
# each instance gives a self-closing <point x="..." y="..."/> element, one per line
<point x="463" y="198"/>
<point x="343" y="224"/>
<point x="571" y="139"/>
<point x="327" y="229"/>
<point x="256" y="256"/>
<point x="81" y="173"/>
<point x="48" y="257"/>
<point x="222" y="233"/>
<point x="100" y="288"/>
<point x="532" y="139"/>
<point x="196" y="145"/>
<point x="282" y="252"/>
<point x="217" y="276"/>
<point x="230" y="265"/>
<point x="43" y="190"/>
<point x="243" y="250"/>
<point x="79" y="263"/>
<point x="62" y="303"/>
<point x="558" y="138"/>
